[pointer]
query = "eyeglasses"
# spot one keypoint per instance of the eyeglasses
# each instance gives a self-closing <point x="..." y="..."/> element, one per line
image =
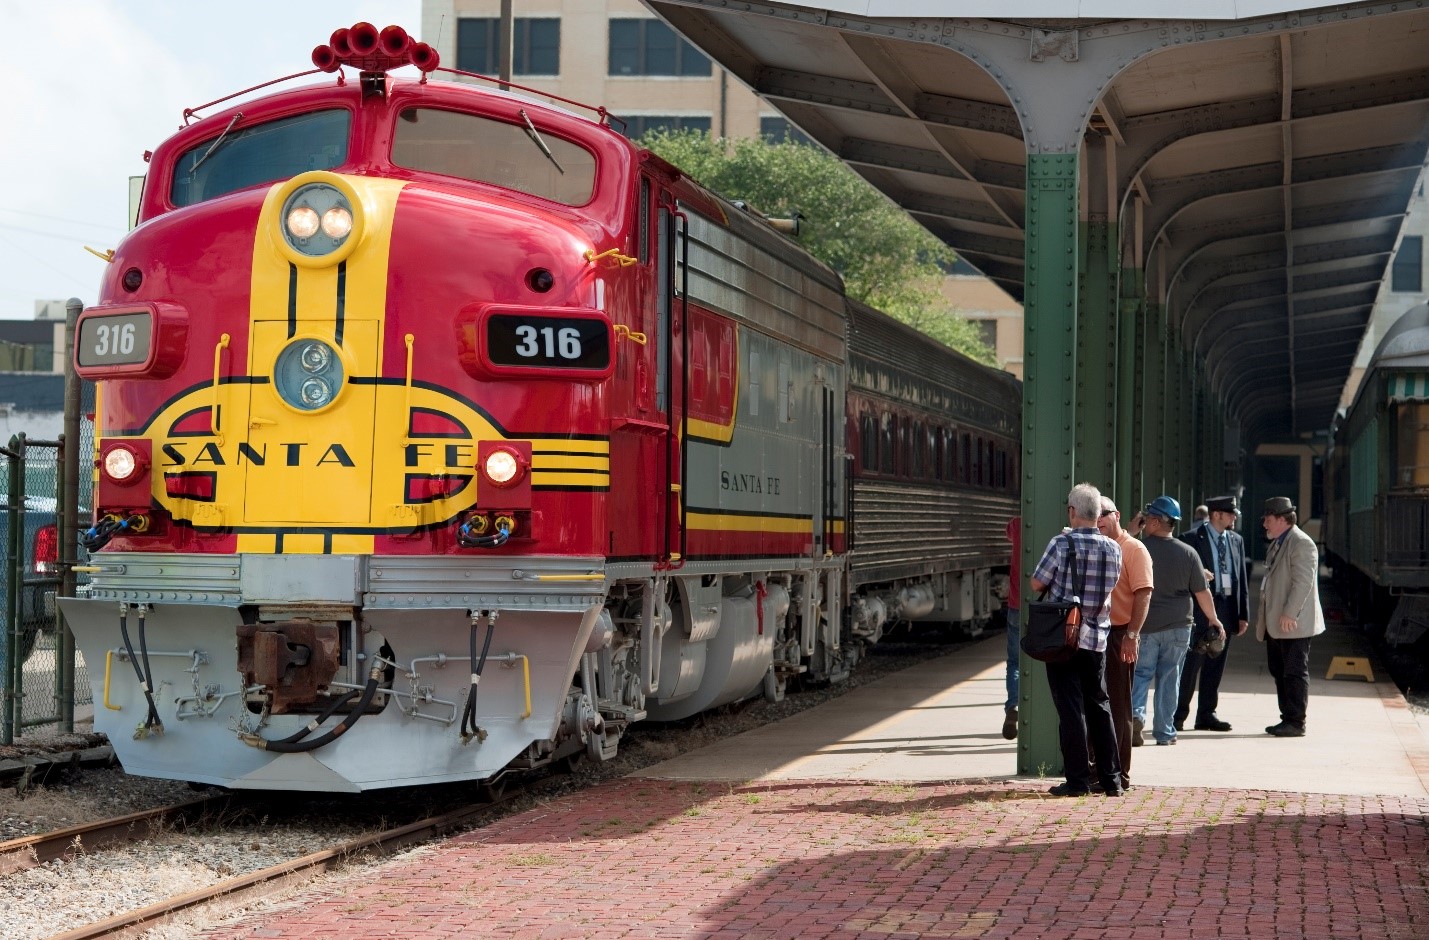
<point x="1107" y="512"/>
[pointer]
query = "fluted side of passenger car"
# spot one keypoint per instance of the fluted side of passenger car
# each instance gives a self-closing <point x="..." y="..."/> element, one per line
<point x="936" y="442"/>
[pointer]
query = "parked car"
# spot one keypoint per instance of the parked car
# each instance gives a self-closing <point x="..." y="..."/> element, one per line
<point x="39" y="547"/>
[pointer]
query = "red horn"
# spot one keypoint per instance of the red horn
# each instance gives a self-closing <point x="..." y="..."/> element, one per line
<point x="394" y="41"/>
<point x="362" y="38"/>
<point x="325" y="59"/>
<point x="339" y="43"/>
<point x="423" y="56"/>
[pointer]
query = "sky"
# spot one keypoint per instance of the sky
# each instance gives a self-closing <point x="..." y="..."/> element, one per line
<point x="98" y="82"/>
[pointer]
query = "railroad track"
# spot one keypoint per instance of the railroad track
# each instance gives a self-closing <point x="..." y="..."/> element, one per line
<point x="263" y="882"/>
<point x="29" y="851"/>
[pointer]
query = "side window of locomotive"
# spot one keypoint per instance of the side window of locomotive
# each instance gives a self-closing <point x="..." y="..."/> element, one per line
<point x="242" y="156"/>
<point x="484" y="150"/>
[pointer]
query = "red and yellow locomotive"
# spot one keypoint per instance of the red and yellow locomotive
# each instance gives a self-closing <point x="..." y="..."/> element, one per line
<point x="442" y="432"/>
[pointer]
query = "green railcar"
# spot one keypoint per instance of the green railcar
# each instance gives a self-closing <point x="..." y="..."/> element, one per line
<point x="1377" y="507"/>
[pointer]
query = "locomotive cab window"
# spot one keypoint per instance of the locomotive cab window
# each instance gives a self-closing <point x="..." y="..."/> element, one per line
<point x="240" y="156"/>
<point x="485" y="150"/>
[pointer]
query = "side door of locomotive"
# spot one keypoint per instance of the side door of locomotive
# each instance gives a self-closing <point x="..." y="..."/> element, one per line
<point x="671" y="311"/>
<point x="645" y="435"/>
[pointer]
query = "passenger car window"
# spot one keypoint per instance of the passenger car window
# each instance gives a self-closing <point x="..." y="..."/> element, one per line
<point x="485" y="150"/>
<point x="263" y="153"/>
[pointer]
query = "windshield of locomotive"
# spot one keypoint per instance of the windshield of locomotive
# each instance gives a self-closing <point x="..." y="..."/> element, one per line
<point x="249" y="156"/>
<point x="513" y="156"/>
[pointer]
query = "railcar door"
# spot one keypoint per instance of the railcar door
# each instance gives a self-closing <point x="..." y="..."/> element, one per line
<point x="646" y="432"/>
<point x="672" y="378"/>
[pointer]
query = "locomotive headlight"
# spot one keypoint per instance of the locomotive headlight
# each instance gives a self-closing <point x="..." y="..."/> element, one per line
<point x="502" y="467"/>
<point x="319" y="219"/>
<point x="122" y="464"/>
<point x="302" y="222"/>
<point x="316" y="393"/>
<point x="337" y="223"/>
<point x="309" y="374"/>
<point x="315" y="357"/>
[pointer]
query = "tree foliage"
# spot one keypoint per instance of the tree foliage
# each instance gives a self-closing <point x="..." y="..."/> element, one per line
<point x="887" y="260"/>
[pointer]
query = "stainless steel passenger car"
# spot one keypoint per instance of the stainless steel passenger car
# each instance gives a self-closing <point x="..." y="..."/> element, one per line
<point x="936" y="442"/>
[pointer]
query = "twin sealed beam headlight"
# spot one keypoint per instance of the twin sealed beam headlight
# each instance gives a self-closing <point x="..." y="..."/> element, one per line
<point x="308" y="374"/>
<point x="319" y="219"/>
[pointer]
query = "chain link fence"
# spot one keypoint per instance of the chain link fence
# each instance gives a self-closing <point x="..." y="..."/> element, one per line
<point x="44" y="680"/>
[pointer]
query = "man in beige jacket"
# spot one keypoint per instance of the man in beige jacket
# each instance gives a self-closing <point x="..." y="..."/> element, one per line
<point x="1289" y="613"/>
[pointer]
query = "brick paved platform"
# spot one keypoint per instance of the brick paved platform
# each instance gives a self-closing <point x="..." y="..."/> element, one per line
<point x="894" y="812"/>
<point x="644" y="858"/>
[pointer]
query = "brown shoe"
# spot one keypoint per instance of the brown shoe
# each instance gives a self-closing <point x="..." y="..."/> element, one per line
<point x="1009" y="724"/>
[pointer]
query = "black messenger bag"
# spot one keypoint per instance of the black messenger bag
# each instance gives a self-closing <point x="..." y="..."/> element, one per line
<point x="1054" y="627"/>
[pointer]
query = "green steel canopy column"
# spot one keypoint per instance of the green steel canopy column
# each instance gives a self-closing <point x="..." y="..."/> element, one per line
<point x="1048" y="412"/>
<point x="1130" y="394"/>
<point x="1096" y="328"/>
<point x="1153" y="412"/>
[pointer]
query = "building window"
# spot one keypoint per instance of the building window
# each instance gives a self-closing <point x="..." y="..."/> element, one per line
<point x="536" y="46"/>
<point x="1406" y="272"/>
<point x="777" y="130"/>
<point x="986" y="331"/>
<point x="649" y="47"/>
<point x="635" y="127"/>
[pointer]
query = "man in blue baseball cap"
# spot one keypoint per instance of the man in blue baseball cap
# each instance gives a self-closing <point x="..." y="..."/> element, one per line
<point x="1178" y="578"/>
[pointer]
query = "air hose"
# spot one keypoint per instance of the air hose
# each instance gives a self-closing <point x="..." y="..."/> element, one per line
<point x="152" y="723"/>
<point x="296" y="743"/>
<point x="496" y="539"/>
<point x="469" y="728"/>
<point x="98" y="535"/>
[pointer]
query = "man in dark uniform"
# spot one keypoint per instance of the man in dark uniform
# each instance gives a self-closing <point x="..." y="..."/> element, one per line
<point x="1222" y="552"/>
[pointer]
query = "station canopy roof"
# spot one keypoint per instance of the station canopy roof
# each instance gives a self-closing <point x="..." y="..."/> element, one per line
<point x="1262" y="164"/>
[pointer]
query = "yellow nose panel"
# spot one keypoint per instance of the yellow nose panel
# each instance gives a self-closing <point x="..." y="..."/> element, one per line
<point x="386" y="456"/>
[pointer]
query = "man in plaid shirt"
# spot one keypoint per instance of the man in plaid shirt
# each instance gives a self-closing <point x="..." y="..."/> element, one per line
<point x="1079" y="684"/>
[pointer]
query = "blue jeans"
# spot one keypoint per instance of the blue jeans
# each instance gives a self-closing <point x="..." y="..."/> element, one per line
<point x="1014" y="654"/>
<point x="1161" y="657"/>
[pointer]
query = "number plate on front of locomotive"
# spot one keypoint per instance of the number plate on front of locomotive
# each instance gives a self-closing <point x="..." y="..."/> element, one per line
<point x="119" y="340"/>
<point x="548" y="342"/>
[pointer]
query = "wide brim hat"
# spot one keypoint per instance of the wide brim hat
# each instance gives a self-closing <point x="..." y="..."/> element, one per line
<point x="1278" y="506"/>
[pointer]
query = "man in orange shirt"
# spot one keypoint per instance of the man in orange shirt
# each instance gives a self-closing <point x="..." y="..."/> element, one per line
<point x="1130" y="600"/>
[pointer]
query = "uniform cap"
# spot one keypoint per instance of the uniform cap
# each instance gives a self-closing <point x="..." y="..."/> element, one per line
<point x="1222" y="504"/>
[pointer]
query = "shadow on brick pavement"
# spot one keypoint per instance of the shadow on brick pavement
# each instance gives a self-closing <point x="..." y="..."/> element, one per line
<point x="796" y="859"/>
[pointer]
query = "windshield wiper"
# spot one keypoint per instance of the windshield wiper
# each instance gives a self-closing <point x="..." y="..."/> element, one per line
<point x="535" y="136"/>
<point x="216" y="141"/>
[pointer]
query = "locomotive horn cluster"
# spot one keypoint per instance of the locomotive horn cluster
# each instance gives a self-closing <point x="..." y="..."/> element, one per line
<point x="362" y="47"/>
